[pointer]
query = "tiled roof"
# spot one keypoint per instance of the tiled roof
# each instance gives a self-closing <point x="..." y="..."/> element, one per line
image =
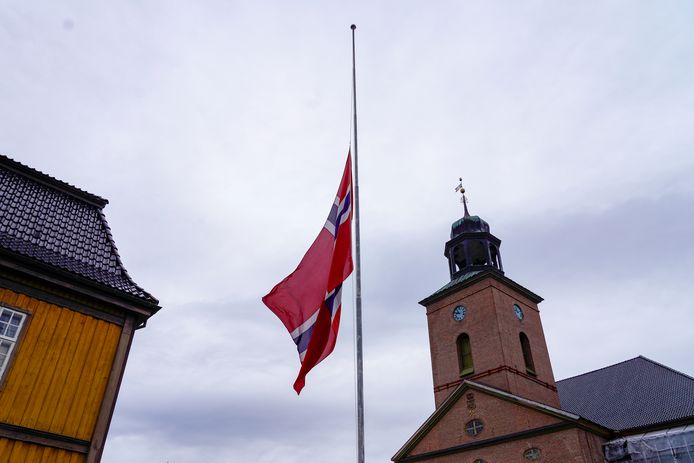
<point x="454" y="282"/>
<point x="60" y="225"/>
<point x="633" y="394"/>
<point x="476" y="275"/>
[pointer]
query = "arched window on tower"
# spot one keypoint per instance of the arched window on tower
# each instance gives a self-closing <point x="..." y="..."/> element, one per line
<point x="460" y="257"/>
<point x="478" y="253"/>
<point x="494" y="253"/>
<point x="527" y="354"/>
<point x="464" y="355"/>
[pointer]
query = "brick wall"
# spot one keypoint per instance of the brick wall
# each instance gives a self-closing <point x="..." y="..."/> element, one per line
<point x="501" y="418"/>
<point x="567" y="446"/>
<point x="494" y="334"/>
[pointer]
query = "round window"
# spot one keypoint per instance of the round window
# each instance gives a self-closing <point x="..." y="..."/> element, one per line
<point x="532" y="454"/>
<point x="473" y="427"/>
<point x="479" y="460"/>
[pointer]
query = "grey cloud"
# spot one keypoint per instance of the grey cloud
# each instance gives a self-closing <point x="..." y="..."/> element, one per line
<point x="218" y="130"/>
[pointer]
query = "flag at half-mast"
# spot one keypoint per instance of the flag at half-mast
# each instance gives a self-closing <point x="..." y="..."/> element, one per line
<point x="308" y="301"/>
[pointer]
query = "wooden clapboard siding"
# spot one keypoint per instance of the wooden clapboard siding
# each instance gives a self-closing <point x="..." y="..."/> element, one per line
<point x="60" y="369"/>
<point x="79" y="366"/>
<point x="5" y="449"/>
<point x="12" y="451"/>
<point x="83" y="387"/>
<point x="101" y="374"/>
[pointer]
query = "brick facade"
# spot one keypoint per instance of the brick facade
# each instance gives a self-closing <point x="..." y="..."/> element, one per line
<point x="498" y="416"/>
<point x="518" y="407"/>
<point x="494" y="333"/>
<point x="494" y="389"/>
<point x="566" y="446"/>
<point x="512" y="425"/>
<point x="502" y="420"/>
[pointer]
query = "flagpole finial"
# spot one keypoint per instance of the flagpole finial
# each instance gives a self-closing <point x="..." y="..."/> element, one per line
<point x="463" y="199"/>
<point x="353" y="26"/>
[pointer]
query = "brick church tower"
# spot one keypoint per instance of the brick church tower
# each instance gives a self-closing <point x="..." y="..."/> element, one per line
<point x="484" y="326"/>
<point x="495" y="394"/>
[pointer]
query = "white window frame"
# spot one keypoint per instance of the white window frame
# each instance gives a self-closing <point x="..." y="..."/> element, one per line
<point x="7" y="337"/>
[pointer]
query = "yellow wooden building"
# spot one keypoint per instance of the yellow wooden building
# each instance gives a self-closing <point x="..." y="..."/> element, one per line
<point x="68" y="313"/>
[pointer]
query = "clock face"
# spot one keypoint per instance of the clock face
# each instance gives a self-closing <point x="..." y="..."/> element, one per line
<point x="459" y="313"/>
<point x="518" y="311"/>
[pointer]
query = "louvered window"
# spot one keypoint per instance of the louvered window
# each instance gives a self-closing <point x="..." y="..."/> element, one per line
<point x="527" y="355"/>
<point x="465" y="355"/>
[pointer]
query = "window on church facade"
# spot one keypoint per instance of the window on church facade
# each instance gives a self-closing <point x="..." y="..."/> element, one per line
<point x="494" y="253"/>
<point x="478" y="253"/>
<point x="473" y="427"/>
<point x="465" y="355"/>
<point x="479" y="460"/>
<point x="527" y="354"/>
<point x="460" y="257"/>
<point x="11" y="323"/>
<point x="532" y="454"/>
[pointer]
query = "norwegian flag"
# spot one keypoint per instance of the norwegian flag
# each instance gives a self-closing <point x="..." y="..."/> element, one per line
<point x="308" y="301"/>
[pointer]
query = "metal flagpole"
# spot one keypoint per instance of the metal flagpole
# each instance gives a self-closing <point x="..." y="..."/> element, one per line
<point x="357" y="322"/>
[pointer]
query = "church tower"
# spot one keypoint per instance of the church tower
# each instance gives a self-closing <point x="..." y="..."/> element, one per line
<point x="483" y="326"/>
<point x="496" y="398"/>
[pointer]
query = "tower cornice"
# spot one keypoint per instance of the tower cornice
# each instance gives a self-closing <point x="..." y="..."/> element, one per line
<point x="469" y="278"/>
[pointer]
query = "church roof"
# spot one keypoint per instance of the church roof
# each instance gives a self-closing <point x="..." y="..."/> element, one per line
<point x="57" y="224"/>
<point x="469" y="224"/>
<point x="467" y="278"/>
<point x="455" y="283"/>
<point x="634" y="394"/>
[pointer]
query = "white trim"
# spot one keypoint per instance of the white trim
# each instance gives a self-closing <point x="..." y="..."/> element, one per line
<point x="524" y="401"/>
<point x="11" y="340"/>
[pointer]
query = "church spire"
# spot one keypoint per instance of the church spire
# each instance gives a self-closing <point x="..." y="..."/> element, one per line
<point x="463" y="199"/>
<point x="472" y="247"/>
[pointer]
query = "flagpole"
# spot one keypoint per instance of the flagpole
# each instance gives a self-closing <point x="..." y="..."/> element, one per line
<point x="357" y="310"/>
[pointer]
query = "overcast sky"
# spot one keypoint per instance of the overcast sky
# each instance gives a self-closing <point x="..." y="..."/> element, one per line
<point x="218" y="131"/>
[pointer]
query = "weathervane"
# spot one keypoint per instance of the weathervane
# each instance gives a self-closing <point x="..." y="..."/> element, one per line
<point x="463" y="198"/>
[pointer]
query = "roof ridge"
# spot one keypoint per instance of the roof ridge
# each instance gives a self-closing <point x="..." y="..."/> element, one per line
<point x="51" y="182"/>
<point x="629" y="360"/>
<point x="603" y="368"/>
<point x="533" y="403"/>
<point x="666" y="367"/>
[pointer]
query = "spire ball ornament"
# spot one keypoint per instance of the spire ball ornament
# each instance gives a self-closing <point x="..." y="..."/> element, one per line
<point x="463" y="199"/>
<point x="460" y="188"/>
<point x="472" y="247"/>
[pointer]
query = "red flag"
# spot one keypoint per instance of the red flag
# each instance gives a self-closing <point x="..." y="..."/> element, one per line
<point x="308" y="301"/>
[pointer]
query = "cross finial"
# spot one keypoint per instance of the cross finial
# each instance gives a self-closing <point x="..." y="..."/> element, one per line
<point x="463" y="198"/>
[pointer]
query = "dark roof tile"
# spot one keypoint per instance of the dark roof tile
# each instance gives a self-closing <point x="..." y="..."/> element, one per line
<point x="60" y="225"/>
<point x="636" y="393"/>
